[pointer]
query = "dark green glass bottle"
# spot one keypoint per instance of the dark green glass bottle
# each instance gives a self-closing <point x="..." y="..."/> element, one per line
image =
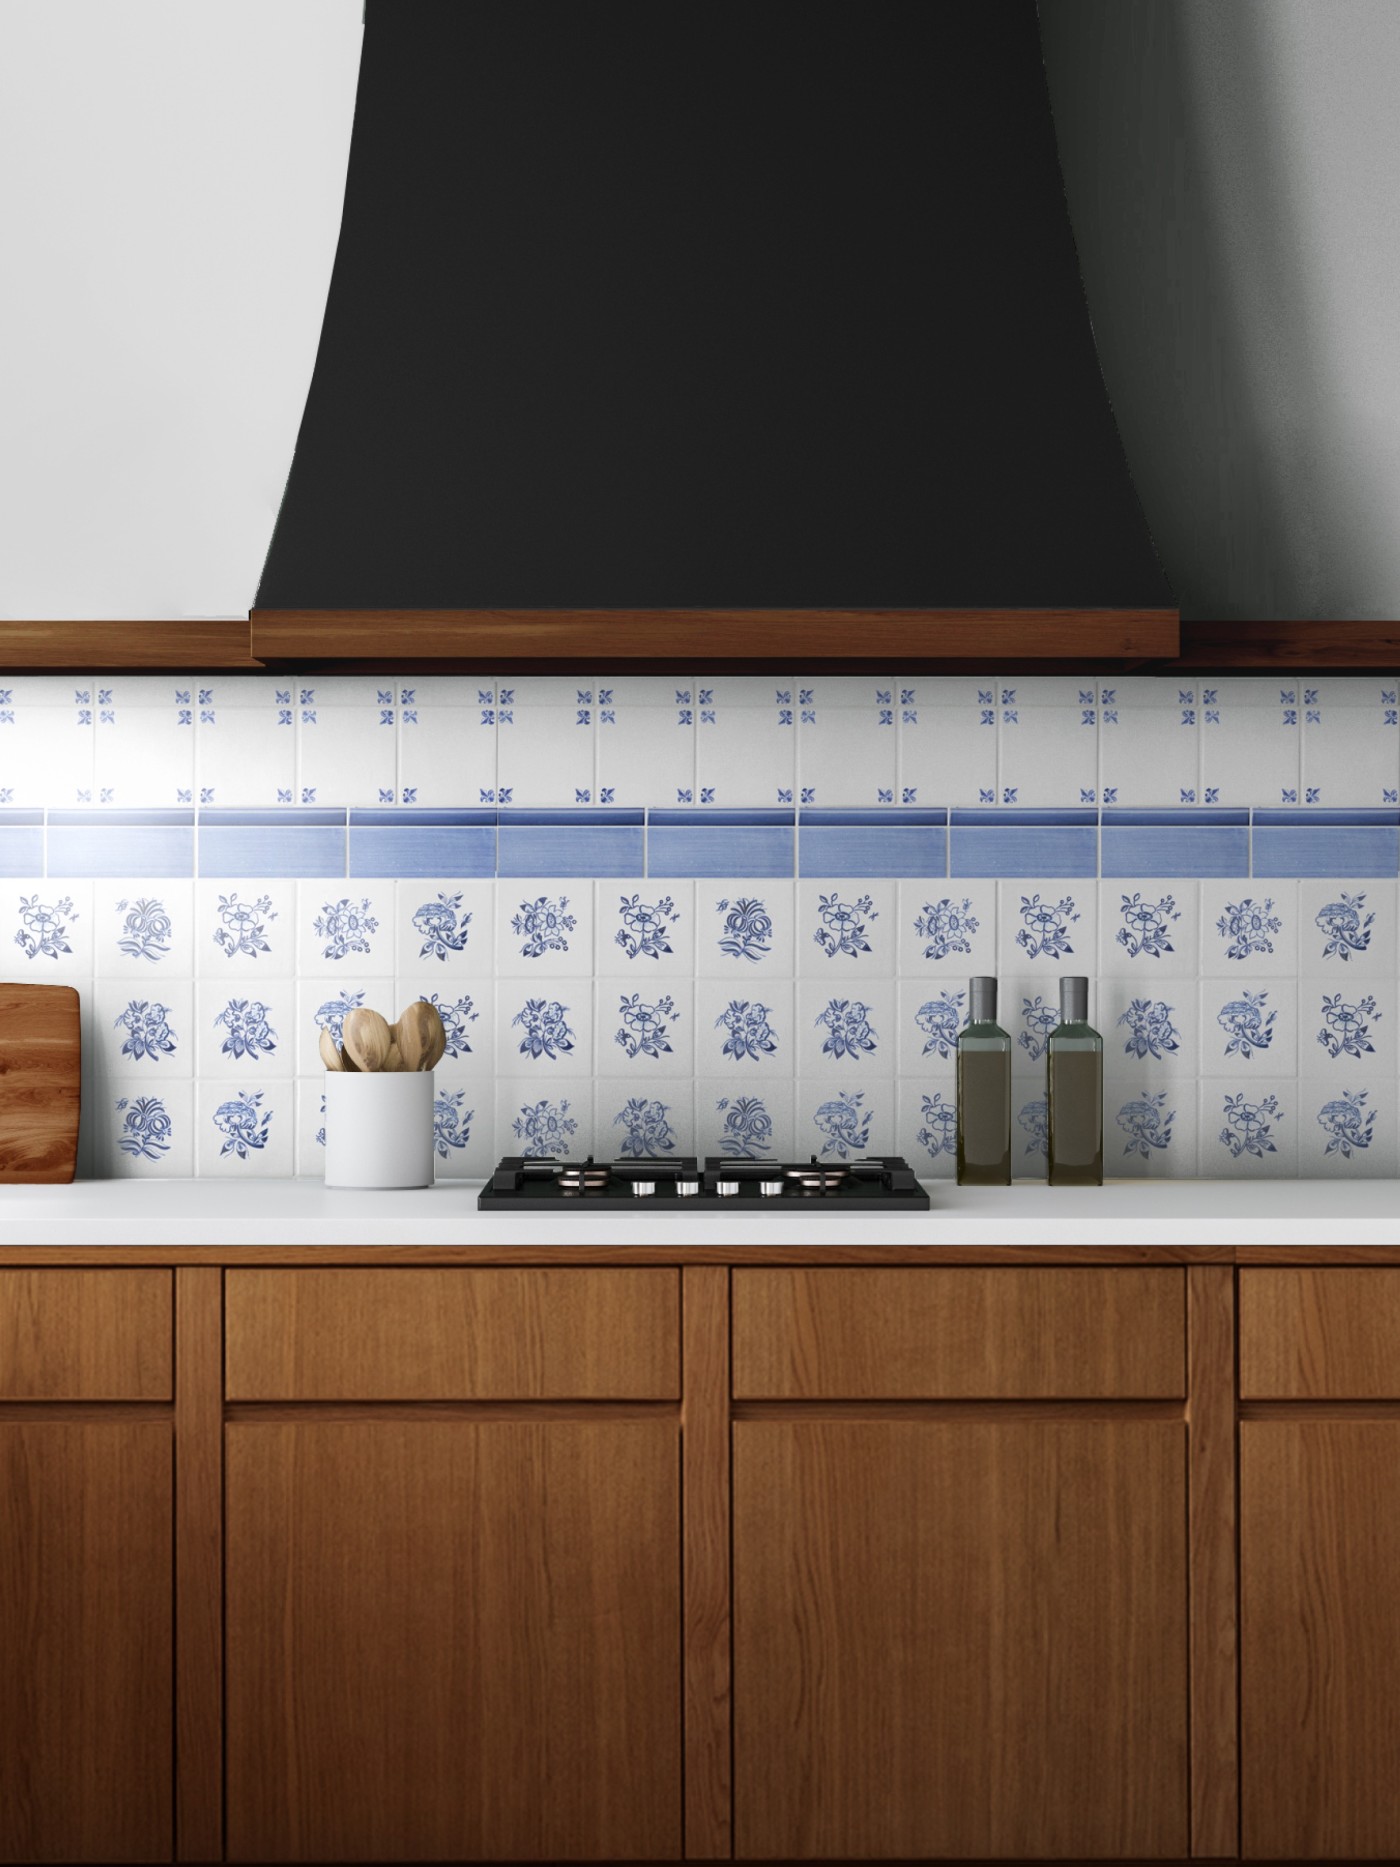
<point x="1074" y="1091"/>
<point x="984" y="1091"/>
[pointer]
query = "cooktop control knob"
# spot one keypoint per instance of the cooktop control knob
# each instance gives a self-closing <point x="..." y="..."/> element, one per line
<point x="726" y="1189"/>
<point x="770" y="1189"/>
<point x="687" y="1189"/>
<point x="643" y="1189"/>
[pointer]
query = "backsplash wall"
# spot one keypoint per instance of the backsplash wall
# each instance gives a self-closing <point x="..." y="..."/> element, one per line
<point x="727" y="915"/>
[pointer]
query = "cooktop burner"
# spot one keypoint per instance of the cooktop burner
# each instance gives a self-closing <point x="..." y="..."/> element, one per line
<point x="695" y="1185"/>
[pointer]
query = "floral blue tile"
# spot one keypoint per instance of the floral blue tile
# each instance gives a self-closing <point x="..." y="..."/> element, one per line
<point x="466" y="1009"/>
<point x="1249" y="1128"/>
<point x="844" y="1119"/>
<point x="646" y="740"/>
<point x="310" y="1101"/>
<point x="1250" y="928"/>
<point x="947" y="928"/>
<point x="744" y="929"/>
<point x="1346" y="1128"/>
<point x="847" y="930"/>
<point x="322" y="1004"/>
<point x="645" y="1028"/>
<point x="463" y="1127"/>
<point x="546" y="734"/>
<point x="1347" y="1028"/>
<point x="245" y="739"/>
<point x="643" y="1120"/>
<point x="927" y="1127"/>
<point x="1150" y="1029"/>
<point x="744" y="1028"/>
<point x="1149" y="930"/>
<point x="1347" y="927"/>
<point x="948" y="740"/>
<point x="929" y="1016"/>
<point x="847" y="1026"/>
<point x="1251" y="736"/>
<point x="1150" y="741"/>
<point x="746" y="740"/>
<point x="143" y="1130"/>
<point x="544" y="929"/>
<point x="347" y="739"/>
<point x="848" y="742"/>
<point x="746" y="1121"/>
<point x="46" y="931"/>
<point x="1048" y="926"/>
<point x="246" y="1131"/>
<point x="245" y="1032"/>
<point x="544" y="1118"/>
<point x="1150" y="1130"/>
<point x="445" y="927"/>
<point x="346" y="926"/>
<point x="1248" y="1027"/>
<point x="1030" y="1126"/>
<point x="1351" y="742"/>
<point x="1028" y="1009"/>
<point x="645" y="929"/>
<point x="245" y="929"/>
<point x="143" y="929"/>
<point x="144" y="1031"/>
<point x="544" y="1029"/>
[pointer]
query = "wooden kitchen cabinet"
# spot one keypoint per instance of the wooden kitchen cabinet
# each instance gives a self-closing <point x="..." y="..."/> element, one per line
<point x="1320" y="1562"/>
<point x="962" y="1571"/>
<point x="86" y="1570"/>
<point x="454" y="1625"/>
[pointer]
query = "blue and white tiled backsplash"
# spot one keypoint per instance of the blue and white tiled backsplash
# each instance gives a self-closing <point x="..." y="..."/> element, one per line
<point x="735" y="915"/>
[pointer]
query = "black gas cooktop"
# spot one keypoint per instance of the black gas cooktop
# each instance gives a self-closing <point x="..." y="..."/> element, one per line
<point x="692" y="1185"/>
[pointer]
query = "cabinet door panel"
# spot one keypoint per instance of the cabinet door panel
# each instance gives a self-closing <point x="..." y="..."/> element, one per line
<point x="85" y="1334"/>
<point x="85" y="1620"/>
<point x="453" y="1640"/>
<point x="1320" y="1334"/>
<point x="960" y="1638"/>
<point x="1320" y="1638"/>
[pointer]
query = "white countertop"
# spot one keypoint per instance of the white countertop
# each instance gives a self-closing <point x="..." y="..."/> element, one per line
<point x="303" y="1212"/>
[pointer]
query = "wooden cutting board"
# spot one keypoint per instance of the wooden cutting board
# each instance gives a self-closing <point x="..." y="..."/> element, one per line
<point x="40" y="1085"/>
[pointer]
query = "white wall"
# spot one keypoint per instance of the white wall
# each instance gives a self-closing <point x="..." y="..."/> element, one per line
<point x="171" y="180"/>
<point x="1232" y="169"/>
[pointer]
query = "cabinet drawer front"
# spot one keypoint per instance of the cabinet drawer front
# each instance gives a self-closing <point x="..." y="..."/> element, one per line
<point x="954" y="1334"/>
<point x="452" y="1334"/>
<point x="1320" y="1334"/>
<point x="85" y="1335"/>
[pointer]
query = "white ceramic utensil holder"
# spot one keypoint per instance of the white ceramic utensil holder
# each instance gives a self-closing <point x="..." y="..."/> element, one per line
<point x="379" y="1128"/>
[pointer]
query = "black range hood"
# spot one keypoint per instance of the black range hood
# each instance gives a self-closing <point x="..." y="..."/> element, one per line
<point x="664" y="306"/>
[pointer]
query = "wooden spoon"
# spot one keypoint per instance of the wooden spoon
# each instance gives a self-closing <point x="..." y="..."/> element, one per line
<point x="367" y="1038"/>
<point x="330" y="1051"/>
<point x="422" y="1039"/>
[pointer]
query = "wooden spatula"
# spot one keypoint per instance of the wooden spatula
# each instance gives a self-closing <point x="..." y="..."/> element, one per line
<point x="367" y="1038"/>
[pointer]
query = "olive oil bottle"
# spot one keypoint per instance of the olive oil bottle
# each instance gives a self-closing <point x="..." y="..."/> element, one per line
<point x="1074" y="1063"/>
<point x="984" y="1091"/>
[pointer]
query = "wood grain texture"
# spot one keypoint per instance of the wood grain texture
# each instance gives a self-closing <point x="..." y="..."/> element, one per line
<point x="436" y="1255"/>
<point x="85" y="1334"/>
<point x="40" y="1083"/>
<point x="1210" y="1306"/>
<point x="199" y="1572"/>
<point x="1290" y="647"/>
<point x="443" y="1334"/>
<point x="1310" y="1334"/>
<point x="705" y="1556"/>
<point x="453" y="1642"/>
<point x="959" y="1333"/>
<point x="967" y="1641"/>
<point x="95" y="647"/>
<point x="1320" y="1639"/>
<point x="898" y="638"/>
<point x="85" y="1631"/>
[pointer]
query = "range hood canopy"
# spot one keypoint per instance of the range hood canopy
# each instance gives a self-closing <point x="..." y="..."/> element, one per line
<point x="668" y="306"/>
